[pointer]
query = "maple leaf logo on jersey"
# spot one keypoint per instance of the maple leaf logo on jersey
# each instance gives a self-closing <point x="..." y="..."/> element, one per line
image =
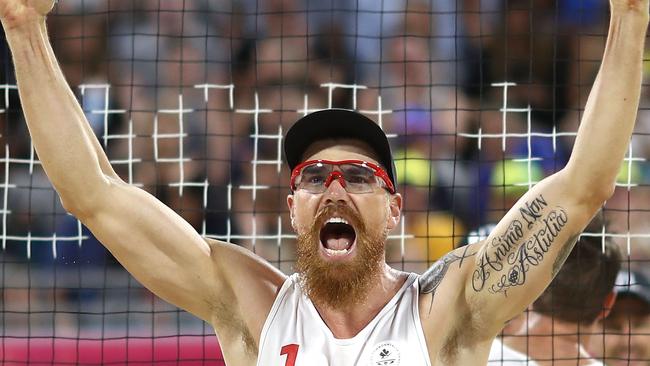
<point x="385" y="354"/>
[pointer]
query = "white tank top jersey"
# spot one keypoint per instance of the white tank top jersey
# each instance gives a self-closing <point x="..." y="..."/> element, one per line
<point x="502" y="355"/>
<point x="295" y="335"/>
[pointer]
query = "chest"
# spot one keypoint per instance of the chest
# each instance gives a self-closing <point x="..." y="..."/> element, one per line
<point x="295" y="335"/>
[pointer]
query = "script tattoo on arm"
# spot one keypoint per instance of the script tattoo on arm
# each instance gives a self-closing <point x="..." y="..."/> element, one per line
<point x="431" y="279"/>
<point x="511" y="255"/>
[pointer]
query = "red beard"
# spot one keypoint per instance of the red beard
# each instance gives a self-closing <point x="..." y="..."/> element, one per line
<point x="339" y="284"/>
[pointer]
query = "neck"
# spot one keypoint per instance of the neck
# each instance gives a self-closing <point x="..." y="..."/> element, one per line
<point x="553" y="340"/>
<point x="349" y="321"/>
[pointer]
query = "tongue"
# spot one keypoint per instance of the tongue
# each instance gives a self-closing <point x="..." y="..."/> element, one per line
<point x="338" y="244"/>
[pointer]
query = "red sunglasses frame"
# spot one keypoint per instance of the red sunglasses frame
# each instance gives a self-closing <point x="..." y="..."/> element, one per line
<point x="379" y="172"/>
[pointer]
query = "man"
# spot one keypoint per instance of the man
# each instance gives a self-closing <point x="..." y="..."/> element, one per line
<point x="357" y="309"/>
<point x="626" y="331"/>
<point x="560" y="323"/>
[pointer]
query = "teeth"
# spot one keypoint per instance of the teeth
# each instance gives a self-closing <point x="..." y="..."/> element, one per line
<point x="337" y="220"/>
<point x="336" y="252"/>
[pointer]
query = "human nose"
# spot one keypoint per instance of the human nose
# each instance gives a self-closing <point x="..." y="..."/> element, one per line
<point x="335" y="189"/>
<point x="335" y="175"/>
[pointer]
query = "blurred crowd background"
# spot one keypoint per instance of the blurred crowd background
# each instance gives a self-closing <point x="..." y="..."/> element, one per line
<point x="481" y="99"/>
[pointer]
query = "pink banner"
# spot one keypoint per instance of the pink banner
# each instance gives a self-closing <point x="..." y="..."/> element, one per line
<point x="184" y="351"/>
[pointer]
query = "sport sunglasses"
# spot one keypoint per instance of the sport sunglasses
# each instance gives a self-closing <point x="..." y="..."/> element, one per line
<point x="356" y="176"/>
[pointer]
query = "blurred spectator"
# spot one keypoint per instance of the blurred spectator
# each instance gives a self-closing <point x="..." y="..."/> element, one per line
<point x="509" y="180"/>
<point x="478" y="25"/>
<point x="80" y="42"/>
<point x="428" y="114"/>
<point x="508" y="165"/>
<point x="435" y="232"/>
<point x="525" y="48"/>
<point x="581" y="14"/>
<point x="142" y="37"/>
<point x="626" y="338"/>
<point x="561" y="321"/>
<point x="584" y="48"/>
<point x="373" y="23"/>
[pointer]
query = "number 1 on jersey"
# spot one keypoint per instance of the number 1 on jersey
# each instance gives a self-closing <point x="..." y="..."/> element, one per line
<point x="291" y="350"/>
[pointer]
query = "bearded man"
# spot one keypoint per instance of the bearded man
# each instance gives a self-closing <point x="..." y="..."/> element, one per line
<point x="345" y="306"/>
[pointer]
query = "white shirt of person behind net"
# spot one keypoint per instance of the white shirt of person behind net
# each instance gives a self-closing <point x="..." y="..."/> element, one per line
<point x="502" y="355"/>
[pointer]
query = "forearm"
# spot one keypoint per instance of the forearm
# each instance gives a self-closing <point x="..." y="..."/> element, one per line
<point x="66" y="146"/>
<point x="610" y="113"/>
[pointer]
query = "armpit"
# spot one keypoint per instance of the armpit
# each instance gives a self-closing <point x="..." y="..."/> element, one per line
<point x="227" y="321"/>
<point x="464" y="335"/>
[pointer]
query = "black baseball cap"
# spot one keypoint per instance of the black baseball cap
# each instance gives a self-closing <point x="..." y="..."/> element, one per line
<point x="335" y="124"/>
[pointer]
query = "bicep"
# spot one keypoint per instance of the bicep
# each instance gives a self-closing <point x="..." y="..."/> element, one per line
<point x="156" y="246"/>
<point x="526" y="249"/>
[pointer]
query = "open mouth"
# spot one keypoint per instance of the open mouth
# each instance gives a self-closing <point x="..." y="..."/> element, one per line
<point x="337" y="236"/>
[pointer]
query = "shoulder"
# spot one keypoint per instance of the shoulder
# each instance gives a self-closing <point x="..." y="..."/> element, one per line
<point x="247" y="278"/>
<point x="250" y="284"/>
<point x="235" y="260"/>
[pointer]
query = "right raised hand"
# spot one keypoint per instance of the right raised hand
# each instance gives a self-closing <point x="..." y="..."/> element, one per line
<point x="15" y="13"/>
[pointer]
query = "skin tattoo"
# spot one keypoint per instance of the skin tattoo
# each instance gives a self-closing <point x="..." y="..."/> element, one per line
<point x="511" y="256"/>
<point x="431" y="279"/>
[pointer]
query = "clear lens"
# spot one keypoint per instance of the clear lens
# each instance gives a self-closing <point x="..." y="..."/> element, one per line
<point x="313" y="177"/>
<point x="358" y="178"/>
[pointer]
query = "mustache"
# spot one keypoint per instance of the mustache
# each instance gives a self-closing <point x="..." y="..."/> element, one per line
<point x="338" y="209"/>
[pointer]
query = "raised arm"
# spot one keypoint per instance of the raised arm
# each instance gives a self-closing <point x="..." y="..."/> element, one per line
<point x="526" y="249"/>
<point x="152" y="242"/>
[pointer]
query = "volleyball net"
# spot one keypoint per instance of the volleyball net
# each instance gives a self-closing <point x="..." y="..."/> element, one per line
<point x="191" y="99"/>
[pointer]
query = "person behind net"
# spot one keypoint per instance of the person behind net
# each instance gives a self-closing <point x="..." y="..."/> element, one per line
<point x="558" y="326"/>
<point x="624" y="336"/>
<point x="345" y="305"/>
